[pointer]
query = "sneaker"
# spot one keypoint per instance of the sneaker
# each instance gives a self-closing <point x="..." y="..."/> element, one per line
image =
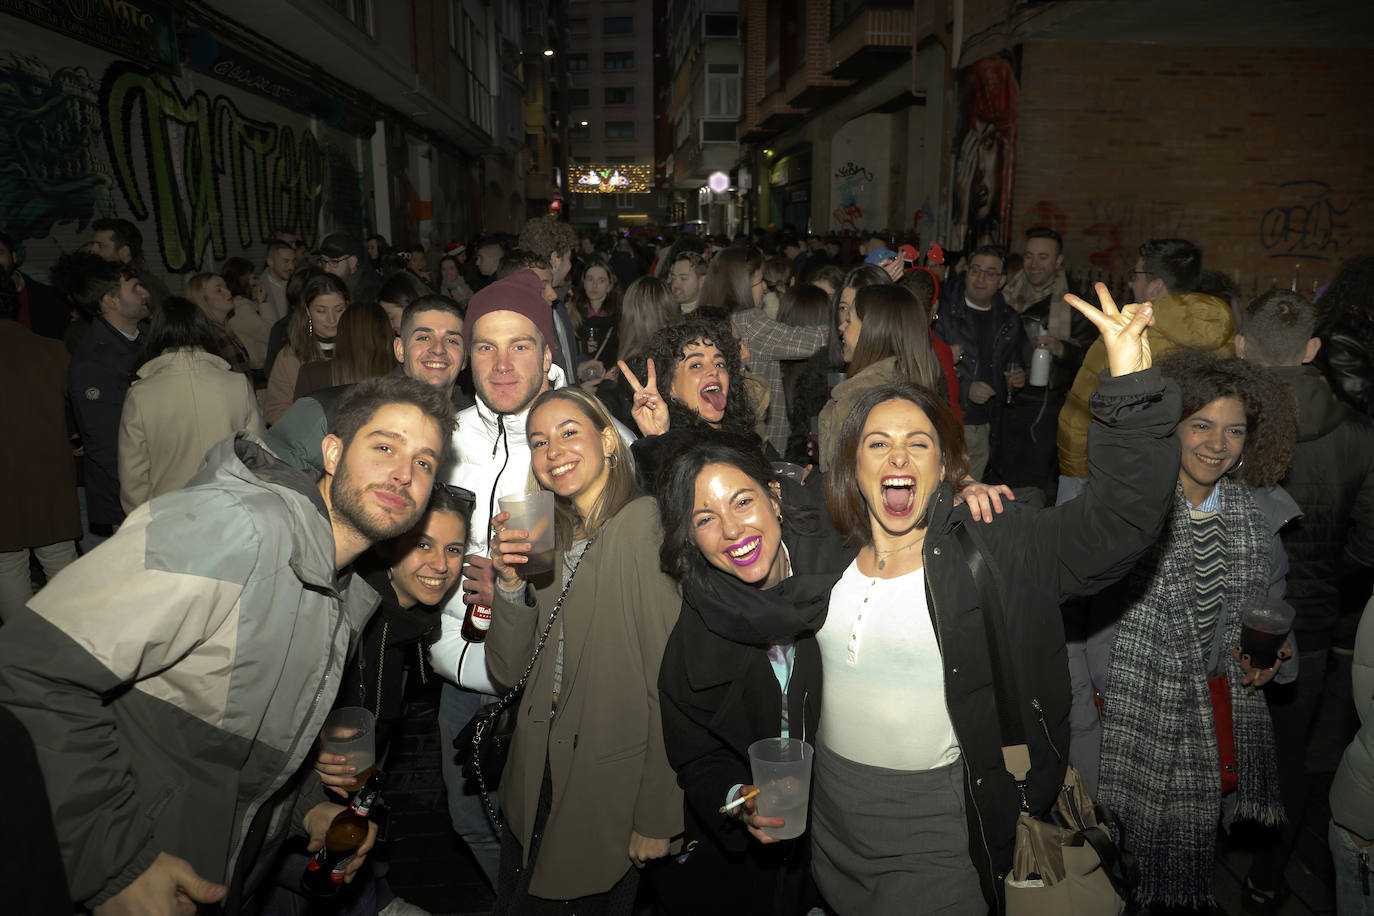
<point x="399" y="907"/>
<point x="1259" y="902"/>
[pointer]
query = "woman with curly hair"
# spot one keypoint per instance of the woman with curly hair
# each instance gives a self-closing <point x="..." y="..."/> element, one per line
<point x="705" y="389"/>
<point x="1177" y="634"/>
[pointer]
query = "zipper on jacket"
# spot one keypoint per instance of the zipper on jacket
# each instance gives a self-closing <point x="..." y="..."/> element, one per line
<point x="963" y="758"/>
<point x="1045" y="727"/>
<point x="235" y="878"/>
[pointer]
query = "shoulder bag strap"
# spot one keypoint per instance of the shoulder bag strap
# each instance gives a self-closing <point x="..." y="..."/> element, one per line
<point x="1015" y="751"/>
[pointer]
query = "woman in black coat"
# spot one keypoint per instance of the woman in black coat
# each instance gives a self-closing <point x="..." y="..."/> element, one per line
<point x="741" y="665"/>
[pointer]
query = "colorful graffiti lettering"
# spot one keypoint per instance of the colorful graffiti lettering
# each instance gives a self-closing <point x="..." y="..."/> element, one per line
<point x="273" y="177"/>
<point x="1311" y="228"/>
<point x="48" y="173"/>
<point x="848" y="216"/>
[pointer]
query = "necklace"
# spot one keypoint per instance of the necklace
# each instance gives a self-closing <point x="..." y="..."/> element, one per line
<point x="882" y="555"/>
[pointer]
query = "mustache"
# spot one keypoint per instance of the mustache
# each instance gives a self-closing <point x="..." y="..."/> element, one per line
<point x="395" y="491"/>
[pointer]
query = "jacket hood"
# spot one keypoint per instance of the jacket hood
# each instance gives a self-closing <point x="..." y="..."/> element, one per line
<point x="1194" y="320"/>
<point x="246" y="459"/>
<point x="1318" y="410"/>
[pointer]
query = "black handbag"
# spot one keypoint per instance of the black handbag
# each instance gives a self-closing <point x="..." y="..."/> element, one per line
<point x="1073" y="858"/>
<point x="484" y="743"/>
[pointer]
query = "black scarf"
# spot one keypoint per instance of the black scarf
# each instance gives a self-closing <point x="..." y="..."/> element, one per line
<point x="735" y="610"/>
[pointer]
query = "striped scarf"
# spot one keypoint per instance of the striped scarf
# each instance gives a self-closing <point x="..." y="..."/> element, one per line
<point x="1159" y="765"/>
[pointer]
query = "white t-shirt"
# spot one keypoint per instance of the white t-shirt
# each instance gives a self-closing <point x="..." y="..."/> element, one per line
<point x="884" y="702"/>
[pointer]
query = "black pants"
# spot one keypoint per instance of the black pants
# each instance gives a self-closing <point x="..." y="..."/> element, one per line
<point x="513" y="882"/>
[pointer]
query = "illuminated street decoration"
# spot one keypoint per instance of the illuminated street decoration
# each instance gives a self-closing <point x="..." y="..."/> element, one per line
<point x="611" y="179"/>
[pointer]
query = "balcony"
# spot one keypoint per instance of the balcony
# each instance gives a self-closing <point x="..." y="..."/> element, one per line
<point x="868" y="39"/>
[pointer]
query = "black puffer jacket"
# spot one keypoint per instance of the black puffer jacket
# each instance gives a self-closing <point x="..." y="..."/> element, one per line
<point x="1332" y="480"/>
<point x="1041" y="558"/>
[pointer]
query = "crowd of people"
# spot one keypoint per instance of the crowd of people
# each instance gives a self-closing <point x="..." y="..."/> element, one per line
<point x="279" y="493"/>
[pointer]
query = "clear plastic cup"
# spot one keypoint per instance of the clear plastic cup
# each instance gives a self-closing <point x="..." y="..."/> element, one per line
<point x="782" y="774"/>
<point x="533" y="512"/>
<point x="352" y="732"/>
<point x="1263" y="630"/>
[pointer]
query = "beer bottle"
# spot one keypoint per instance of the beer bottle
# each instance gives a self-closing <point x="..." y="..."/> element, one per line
<point x="324" y="874"/>
<point x="476" y="623"/>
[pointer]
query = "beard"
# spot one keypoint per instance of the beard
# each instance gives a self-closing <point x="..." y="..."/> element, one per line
<point x="347" y="502"/>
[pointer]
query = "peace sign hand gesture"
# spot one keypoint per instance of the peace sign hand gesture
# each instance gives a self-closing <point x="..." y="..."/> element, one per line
<point x="1123" y="330"/>
<point x="650" y="411"/>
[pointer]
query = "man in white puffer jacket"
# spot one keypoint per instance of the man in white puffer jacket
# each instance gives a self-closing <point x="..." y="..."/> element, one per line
<point x="508" y="327"/>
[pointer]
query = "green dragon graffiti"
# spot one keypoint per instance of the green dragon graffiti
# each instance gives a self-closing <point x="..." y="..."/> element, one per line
<point x="49" y="135"/>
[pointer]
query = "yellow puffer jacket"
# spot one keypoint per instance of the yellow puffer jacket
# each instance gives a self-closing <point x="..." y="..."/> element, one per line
<point x="1192" y="320"/>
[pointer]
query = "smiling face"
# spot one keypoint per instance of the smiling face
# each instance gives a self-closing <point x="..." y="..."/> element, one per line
<point x="1212" y="440"/>
<point x="325" y="310"/>
<point x="899" y="466"/>
<point x="1042" y="260"/>
<point x="984" y="279"/>
<point x="701" y="382"/>
<point x="430" y="559"/>
<point x="381" y="482"/>
<point x="568" y="454"/>
<point x="432" y="351"/>
<point x="735" y="525"/>
<point x="510" y="364"/>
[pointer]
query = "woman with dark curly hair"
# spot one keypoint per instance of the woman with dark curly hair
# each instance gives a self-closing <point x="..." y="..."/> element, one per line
<point x="1346" y="329"/>
<point x="1177" y="633"/>
<point x="706" y="389"/>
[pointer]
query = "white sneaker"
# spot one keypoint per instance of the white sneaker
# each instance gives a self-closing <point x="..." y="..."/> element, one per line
<point x="399" y="907"/>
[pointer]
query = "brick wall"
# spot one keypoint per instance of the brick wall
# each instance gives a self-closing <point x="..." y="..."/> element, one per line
<point x="1119" y="143"/>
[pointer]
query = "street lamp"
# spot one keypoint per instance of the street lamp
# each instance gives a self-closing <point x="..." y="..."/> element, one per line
<point x="548" y="52"/>
<point x="583" y="123"/>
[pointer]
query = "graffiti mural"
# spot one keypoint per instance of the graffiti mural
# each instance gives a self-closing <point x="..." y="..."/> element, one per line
<point x="1309" y="224"/>
<point x="187" y="143"/>
<point x="1116" y="231"/>
<point x="985" y="153"/>
<point x="854" y="192"/>
<point x="49" y="137"/>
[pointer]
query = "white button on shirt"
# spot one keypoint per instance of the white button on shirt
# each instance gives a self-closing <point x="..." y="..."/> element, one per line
<point x="884" y="699"/>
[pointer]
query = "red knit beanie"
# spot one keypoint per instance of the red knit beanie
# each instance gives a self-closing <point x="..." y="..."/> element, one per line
<point x="522" y="293"/>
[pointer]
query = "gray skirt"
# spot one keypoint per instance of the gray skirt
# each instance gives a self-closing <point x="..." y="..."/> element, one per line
<point x="891" y="841"/>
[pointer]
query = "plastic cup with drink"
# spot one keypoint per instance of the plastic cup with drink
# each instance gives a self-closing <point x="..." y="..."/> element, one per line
<point x="781" y="769"/>
<point x="351" y="732"/>
<point x="1263" y="630"/>
<point x="533" y="512"/>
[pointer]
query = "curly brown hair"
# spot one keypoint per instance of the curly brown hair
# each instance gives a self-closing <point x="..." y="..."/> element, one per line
<point x="1271" y="410"/>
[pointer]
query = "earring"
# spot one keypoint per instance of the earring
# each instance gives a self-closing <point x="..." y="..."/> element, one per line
<point x="612" y="461"/>
<point x="1237" y="465"/>
<point x="310" y="325"/>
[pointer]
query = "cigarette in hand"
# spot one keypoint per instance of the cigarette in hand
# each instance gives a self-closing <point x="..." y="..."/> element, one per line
<point x="737" y="802"/>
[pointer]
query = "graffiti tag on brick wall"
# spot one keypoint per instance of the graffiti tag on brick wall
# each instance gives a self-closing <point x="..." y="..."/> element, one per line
<point x="1117" y="231"/>
<point x="1309" y="225"/>
<point x="188" y="143"/>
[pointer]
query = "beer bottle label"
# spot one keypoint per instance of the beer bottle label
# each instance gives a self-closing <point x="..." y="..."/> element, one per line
<point x="481" y="617"/>
<point x="337" y="875"/>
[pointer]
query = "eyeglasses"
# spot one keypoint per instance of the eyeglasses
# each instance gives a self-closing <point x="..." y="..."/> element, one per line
<point x="987" y="274"/>
<point x="331" y="262"/>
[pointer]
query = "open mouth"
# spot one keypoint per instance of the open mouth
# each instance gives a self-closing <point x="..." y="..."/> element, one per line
<point x="1210" y="463"/>
<point x="714" y="397"/>
<point x="562" y="469"/>
<point x="746" y="551"/>
<point x="899" y="495"/>
<point x="431" y="583"/>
